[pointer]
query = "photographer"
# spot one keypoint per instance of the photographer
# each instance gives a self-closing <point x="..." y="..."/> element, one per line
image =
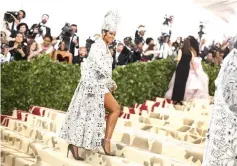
<point x="164" y="47"/>
<point x="18" y="49"/>
<point x="17" y="19"/>
<point x="5" y="55"/>
<point x="139" y="35"/>
<point x="126" y="54"/>
<point x="167" y="26"/>
<point x="74" y="39"/>
<point x="21" y="28"/>
<point x="82" y="53"/>
<point x="38" y="31"/>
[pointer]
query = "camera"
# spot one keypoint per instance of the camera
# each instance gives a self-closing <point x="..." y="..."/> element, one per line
<point x="200" y="33"/>
<point x="67" y="30"/>
<point x="167" y="20"/>
<point x="8" y="16"/>
<point x="128" y="42"/>
<point x="113" y="44"/>
<point x="65" y="34"/>
<point x="89" y="42"/>
<point x="32" y="33"/>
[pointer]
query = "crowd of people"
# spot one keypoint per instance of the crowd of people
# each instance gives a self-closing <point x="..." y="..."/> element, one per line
<point x="19" y="42"/>
<point x="84" y="123"/>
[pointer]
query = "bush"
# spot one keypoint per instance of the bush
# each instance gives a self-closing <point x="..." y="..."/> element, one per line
<point x="52" y="84"/>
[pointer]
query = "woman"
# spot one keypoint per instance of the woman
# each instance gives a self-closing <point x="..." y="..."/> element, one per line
<point x="197" y="83"/>
<point x="221" y="148"/>
<point x="21" y="28"/>
<point x="151" y="53"/>
<point x="18" y="49"/>
<point x="46" y="47"/>
<point x="32" y="50"/>
<point x="84" y="123"/>
<point x="178" y="82"/>
<point x="217" y="59"/>
<point x="62" y="54"/>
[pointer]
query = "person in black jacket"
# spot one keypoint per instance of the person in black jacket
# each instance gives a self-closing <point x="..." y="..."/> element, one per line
<point x="43" y="30"/>
<point x="140" y="32"/>
<point x="126" y="53"/>
<point x="74" y="40"/>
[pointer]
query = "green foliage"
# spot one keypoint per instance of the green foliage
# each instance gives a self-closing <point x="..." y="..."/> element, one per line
<point x="212" y="72"/>
<point x="52" y="84"/>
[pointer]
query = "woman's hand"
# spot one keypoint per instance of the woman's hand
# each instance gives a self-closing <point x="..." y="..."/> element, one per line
<point x="114" y="87"/>
<point x="21" y="52"/>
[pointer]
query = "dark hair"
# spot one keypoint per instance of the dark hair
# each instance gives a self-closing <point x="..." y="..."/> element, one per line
<point x="186" y="46"/>
<point x="24" y="13"/>
<point x="20" y="34"/>
<point x="138" y="42"/>
<point x="74" y="25"/>
<point x="30" y="44"/>
<point x="194" y="44"/>
<point x="22" y="24"/>
<point x="48" y="36"/>
<point x="151" y="47"/>
<point x="65" y="46"/>
<point x="105" y="31"/>
<point x="148" y="40"/>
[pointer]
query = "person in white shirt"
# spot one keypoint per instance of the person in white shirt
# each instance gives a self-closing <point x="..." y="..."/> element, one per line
<point x="18" y="20"/>
<point x="46" y="47"/>
<point x="41" y="29"/>
<point x="5" y="55"/>
<point x="165" y="49"/>
<point x="118" y="51"/>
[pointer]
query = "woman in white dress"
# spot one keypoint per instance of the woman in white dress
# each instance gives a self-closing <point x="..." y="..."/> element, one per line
<point x="221" y="148"/>
<point x="84" y="123"/>
<point x="197" y="83"/>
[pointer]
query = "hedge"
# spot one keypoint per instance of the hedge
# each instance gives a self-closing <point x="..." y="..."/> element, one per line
<point x="52" y="84"/>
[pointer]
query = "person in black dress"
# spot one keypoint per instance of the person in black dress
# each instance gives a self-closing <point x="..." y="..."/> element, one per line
<point x="182" y="71"/>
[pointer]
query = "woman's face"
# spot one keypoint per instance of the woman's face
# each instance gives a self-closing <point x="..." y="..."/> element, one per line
<point x="108" y="37"/>
<point x="209" y="56"/>
<point x="217" y="54"/>
<point x="33" y="46"/>
<point x="218" y="45"/>
<point x="20" y="15"/>
<point x="62" y="46"/>
<point x="22" y="29"/>
<point x="19" y="38"/>
<point x="47" y="41"/>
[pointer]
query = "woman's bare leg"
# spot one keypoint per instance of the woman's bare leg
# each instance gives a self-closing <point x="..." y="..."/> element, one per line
<point x="114" y="110"/>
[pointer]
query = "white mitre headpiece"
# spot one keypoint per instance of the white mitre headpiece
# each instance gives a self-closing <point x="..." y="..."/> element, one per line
<point x="111" y="21"/>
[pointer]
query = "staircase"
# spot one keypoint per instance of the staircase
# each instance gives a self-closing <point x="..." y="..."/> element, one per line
<point x="149" y="134"/>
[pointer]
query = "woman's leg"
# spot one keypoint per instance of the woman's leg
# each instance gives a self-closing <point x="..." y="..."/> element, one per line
<point x="114" y="110"/>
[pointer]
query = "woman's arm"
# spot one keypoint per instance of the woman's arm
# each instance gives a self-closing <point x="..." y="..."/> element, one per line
<point x="193" y="63"/>
<point x="70" y="58"/>
<point x="21" y="52"/>
<point x="98" y="58"/>
<point x="151" y="52"/>
<point x="177" y="59"/>
<point x="55" y="55"/>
